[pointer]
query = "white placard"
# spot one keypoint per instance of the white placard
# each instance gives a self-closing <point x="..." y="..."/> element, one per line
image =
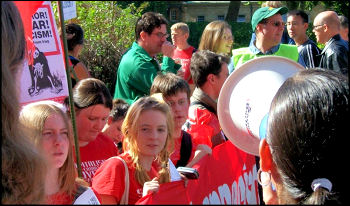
<point x="69" y="10"/>
<point x="174" y="174"/>
<point x="44" y="78"/>
<point x="87" y="198"/>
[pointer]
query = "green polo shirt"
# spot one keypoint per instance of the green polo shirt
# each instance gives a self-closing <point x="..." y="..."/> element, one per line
<point x="136" y="72"/>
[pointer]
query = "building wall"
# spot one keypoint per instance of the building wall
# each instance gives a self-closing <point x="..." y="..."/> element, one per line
<point x="212" y="10"/>
<point x="189" y="10"/>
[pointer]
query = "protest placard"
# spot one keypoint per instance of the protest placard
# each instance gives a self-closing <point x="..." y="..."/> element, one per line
<point x="44" y="75"/>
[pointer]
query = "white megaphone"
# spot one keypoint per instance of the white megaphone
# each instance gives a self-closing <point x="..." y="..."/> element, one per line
<point x="245" y="99"/>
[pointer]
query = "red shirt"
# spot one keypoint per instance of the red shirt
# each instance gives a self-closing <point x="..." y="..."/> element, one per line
<point x="185" y="56"/>
<point x="59" y="199"/>
<point x="94" y="154"/>
<point x="175" y="156"/>
<point x="109" y="179"/>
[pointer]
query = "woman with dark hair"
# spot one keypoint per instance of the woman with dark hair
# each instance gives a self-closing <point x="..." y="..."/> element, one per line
<point x="307" y="121"/>
<point x="75" y="41"/>
<point x="92" y="103"/>
<point x="112" y="128"/>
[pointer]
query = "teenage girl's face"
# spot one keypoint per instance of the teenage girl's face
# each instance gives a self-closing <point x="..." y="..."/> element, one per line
<point x="55" y="142"/>
<point x="90" y="122"/>
<point x="152" y="132"/>
<point x="179" y="104"/>
<point x="115" y="129"/>
<point x="226" y="42"/>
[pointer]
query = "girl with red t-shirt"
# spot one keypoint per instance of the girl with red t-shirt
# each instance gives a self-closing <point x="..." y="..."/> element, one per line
<point x="49" y="129"/>
<point x="148" y="132"/>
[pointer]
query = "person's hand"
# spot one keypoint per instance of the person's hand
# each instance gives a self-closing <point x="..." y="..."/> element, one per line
<point x="150" y="186"/>
<point x="168" y="49"/>
<point x="184" y="178"/>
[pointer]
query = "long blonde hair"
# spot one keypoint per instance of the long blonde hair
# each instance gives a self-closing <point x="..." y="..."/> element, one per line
<point x="33" y="117"/>
<point x="212" y="35"/>
<point x="22" y="165"/>
<point x="130" y="132"/>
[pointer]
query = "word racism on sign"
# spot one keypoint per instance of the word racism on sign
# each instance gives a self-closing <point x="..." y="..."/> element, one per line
<point x="41" y="26"/>
<point x="44" y="78"/>
<point x="44" y="36"/>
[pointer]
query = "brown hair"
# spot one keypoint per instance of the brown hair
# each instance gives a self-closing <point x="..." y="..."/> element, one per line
<point x="308" y="118"/>
<point x="22" y="165"/>
<point x="147" y="22"/>
<point x="206" y="62"/>
<point x="120" y="108"/>
<point x="89" y="92"/>
<point x="169" y="84"/>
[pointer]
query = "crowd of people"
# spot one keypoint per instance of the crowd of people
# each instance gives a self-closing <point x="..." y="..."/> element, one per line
<point x="167" y="112"/>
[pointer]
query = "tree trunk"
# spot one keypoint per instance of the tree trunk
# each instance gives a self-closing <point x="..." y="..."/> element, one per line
<point x="232" y="12"/>
<point x="292" y="5"/>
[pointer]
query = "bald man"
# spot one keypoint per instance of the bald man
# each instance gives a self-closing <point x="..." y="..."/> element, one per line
<point x="335" y="54"/>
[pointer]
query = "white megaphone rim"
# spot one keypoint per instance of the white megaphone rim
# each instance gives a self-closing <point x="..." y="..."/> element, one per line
<point x="244" y="140"/>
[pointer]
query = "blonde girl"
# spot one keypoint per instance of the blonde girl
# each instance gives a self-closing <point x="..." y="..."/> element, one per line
<point x="148" y="132"/>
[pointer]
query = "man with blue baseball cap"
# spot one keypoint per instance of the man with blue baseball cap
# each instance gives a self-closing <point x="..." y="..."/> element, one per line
<point x="268" y="26"/>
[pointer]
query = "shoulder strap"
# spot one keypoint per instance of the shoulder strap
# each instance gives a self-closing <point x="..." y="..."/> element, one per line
<point x="194" y="50"/>
<point x="125" y="197"/>
<point x="185" y="150"/>
<point x="74" y="60"/>
<point x="204" y="106"/>
<point x="80" y="190"/>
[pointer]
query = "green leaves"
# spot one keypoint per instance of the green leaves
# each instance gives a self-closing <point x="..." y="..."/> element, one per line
<point x="109" y="31"/>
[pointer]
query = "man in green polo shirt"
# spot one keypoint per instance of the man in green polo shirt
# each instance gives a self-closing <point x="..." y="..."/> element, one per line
<point x="139" y="64"/>
<point x="268" y="26"/>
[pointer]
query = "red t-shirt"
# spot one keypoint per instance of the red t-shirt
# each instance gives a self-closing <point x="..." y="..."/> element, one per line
<point x="59" y="199"/>
<point x="109" y="179"/>
<point x="93" y="154"/>
<point x="175" y="156"/>
<point x="185" y="56"/>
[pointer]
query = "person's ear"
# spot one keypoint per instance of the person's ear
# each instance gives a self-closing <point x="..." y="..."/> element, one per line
<point x="325" y="28"/>
<point x="186" y="35"/>
<point x="305" y="25"/>
<point x="143" y="35"/>
<point x="259" y="27"/>
<point x="211" y="78"/>
<point x="266" y="162"/>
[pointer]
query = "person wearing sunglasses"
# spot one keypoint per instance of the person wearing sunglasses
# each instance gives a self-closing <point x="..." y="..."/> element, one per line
<point x="268" y="26"/>
<point x="335" y="54"/>
<point x="139" y="65"/>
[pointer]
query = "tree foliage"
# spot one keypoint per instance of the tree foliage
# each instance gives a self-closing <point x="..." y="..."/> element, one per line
<point x="109" y="31"/>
